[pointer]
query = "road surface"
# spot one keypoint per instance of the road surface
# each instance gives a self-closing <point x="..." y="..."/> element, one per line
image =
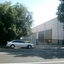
<point x="28" y="56"/>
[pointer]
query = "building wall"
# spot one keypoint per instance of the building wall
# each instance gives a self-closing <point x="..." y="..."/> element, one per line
<point x="60" y="31"/>
<point x="55" y="31"/>
<point x="51" y="29"/>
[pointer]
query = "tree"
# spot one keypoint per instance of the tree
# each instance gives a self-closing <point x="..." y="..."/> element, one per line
<point x="60" y="14"/>
<point x="15" y="21"/>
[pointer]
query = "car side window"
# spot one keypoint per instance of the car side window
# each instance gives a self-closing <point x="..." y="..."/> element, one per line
<point x="18" y="41"/>
<point x="22" y="42"/>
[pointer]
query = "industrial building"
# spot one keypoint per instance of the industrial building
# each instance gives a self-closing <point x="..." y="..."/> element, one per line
<point x="50" y="32"/>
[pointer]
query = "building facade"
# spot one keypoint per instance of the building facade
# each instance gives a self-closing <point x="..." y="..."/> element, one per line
<point x="50" y="32"/>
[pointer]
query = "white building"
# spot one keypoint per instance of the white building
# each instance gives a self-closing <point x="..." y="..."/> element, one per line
<point x="51" y="30"/>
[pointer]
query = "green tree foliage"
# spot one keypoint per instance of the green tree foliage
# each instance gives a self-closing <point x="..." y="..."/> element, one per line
<point x="15" y="21"/>
<point x="60" y="11"/>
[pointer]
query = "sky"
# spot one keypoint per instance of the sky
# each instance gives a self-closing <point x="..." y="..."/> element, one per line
<point x="43" y="10"/>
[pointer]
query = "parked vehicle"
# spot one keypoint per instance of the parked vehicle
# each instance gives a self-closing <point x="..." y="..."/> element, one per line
<point x="19" y="43"/>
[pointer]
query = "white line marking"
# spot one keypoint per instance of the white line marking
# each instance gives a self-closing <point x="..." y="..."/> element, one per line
<point x="48" y="62"/>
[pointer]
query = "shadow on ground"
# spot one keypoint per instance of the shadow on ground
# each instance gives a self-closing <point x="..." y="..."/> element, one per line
<point x="46" y="53"/>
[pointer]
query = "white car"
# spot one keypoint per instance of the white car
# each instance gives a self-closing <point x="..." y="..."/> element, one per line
<point x="19" y="43"/>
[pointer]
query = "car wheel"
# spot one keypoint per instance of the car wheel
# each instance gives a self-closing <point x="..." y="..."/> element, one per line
<point x="29" y="46"/>
<point x="12" y="46"/>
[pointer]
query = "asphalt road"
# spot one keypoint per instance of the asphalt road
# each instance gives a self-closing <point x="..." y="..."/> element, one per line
<point x="28" y="56"/>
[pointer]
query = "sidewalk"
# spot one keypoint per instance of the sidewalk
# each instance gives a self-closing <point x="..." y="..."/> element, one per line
<point x="49" y="46"/>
